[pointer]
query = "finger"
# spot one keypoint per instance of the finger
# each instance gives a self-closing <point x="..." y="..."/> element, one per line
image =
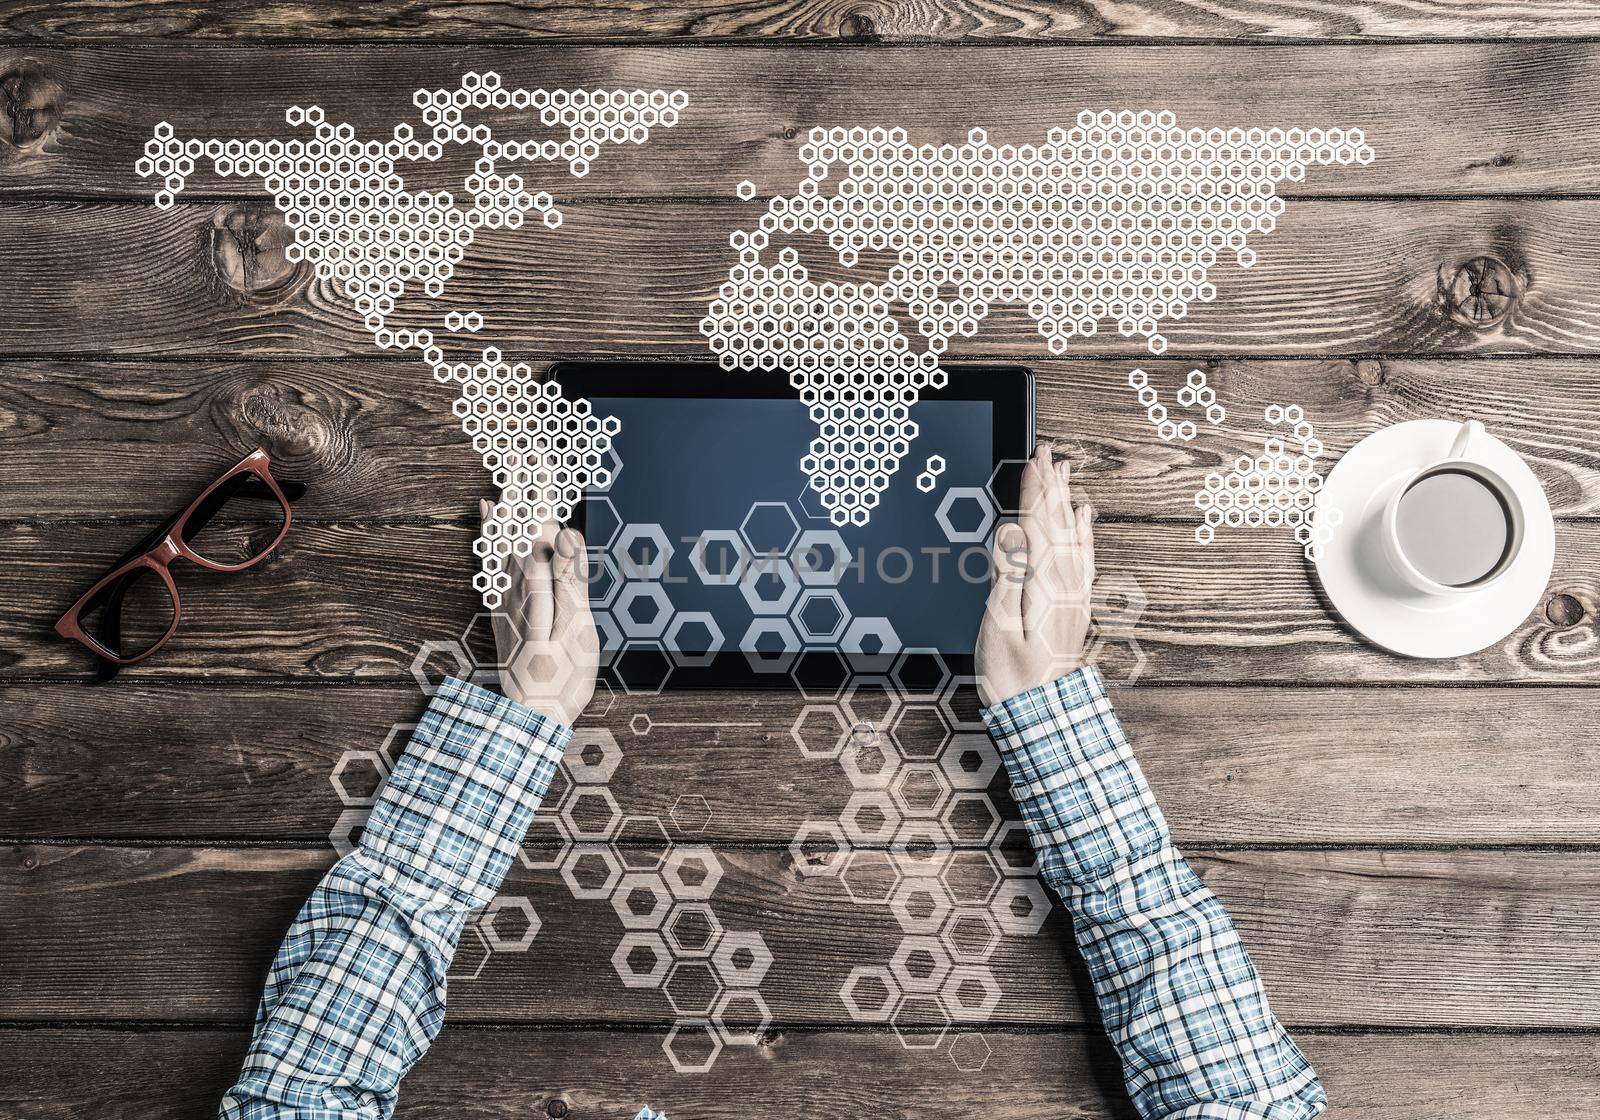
<point x="1034" y="521"/>
<point x="1060" y="503"/>
<point x="570" y="571"/>
<point x="538" y="612"/>
<point x="1030" y="505"/>
<point x="1032" y="516"/>
<point x="1010" y="570"/>
<point x="1086" y="516"/>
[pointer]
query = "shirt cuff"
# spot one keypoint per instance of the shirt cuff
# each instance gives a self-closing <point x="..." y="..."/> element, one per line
<point x="457" y="807"/>
<point x="1073" y="775"/>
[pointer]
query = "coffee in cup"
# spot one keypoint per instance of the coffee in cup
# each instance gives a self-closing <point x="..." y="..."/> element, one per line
<point x="1455" y="525"/>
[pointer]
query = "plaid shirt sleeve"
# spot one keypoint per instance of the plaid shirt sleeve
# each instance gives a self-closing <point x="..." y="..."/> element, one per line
<point x="356" y="994"/>
<point x="1177" y="992"/>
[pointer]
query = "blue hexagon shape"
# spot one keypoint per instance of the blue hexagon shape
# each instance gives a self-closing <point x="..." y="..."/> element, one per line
<point x="821" y="558"/>
<point x="643" y="551"/>
<point x="870" y="645"/>
<point x="966" y="514"/>
<point x="820" y="615"/>
<point x="644" y="610"/>
<point x="770" y="645"/>
<point x="694" y="639"/>
<point x="604" y="579"/>
<point x="601" y="522"/>
<point x="719" y="557"/>
<point x="769" y="528"/>
<point x="769" y="585"/>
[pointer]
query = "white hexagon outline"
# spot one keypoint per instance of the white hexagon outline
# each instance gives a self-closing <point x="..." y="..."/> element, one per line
<point x="731" y="944"/>
<point x="815" y="594"/>
<point x="977" y="494"/>
<point x="633" y="882"/>
<point x="750" y="545"/>
<point x="779" y="662"/>
<point x="710" y="1032"/>
<point x="577" y="831"/>
<point x="672" y="872"/>
<point x="631" y="534"/>
<point x="767" y="566"/>
<point x="510" y="902"/>
<point x="847" y="993"/>
<point x="592" y="773"/>
<point x="694" y="660"/>
<point x="828" y="866"/>
<point x="834" y="542"/>
<point x="697" y="557"/>
<point x="647" y="939"/>
<point x="631" y="626"/>
<point x="569" y="871"/>
<point x="714" y="931"/>
<point x="807" y="713"/>
<point x="899" y="964"/>
<point x="748" y="1037"/>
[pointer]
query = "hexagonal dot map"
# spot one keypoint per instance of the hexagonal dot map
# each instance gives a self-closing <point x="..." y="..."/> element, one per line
<point x="1118" y="218"/>
<point x="1277" y="487"/>
<point x="358" y="225"/>
<point x="660" y="888"/>
<point x="921" y="836"/>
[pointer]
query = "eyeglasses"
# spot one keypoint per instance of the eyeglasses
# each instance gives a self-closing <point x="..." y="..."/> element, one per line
<point x="134" y="608"/>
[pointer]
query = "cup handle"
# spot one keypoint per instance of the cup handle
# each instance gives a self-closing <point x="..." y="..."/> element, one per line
<point x="1469" y="431"/>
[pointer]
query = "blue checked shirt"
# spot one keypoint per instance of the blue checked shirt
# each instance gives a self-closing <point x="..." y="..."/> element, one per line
<point x="1177" y="992"/>
<point x="356" y="994"/>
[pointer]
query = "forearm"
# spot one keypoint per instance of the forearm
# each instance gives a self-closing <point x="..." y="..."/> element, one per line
<point x="1177" y="992"/>
<point x="357" y="991"/>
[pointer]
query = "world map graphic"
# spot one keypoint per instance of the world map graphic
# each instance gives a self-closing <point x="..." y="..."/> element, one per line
<point x="1118" y="219"/>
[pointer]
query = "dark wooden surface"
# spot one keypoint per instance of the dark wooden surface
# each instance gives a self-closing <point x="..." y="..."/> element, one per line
<point x="1412" y="850"/>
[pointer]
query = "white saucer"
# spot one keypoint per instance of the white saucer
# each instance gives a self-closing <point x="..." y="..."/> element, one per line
<point x="1373" y="600"/>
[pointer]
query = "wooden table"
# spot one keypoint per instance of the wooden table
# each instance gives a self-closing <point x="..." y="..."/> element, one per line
<point x="1409" y="848"/>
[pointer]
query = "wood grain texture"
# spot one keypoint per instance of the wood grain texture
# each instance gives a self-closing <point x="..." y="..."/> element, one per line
<point x="477" y="1074"/>
<point x="349" y="601"/>
<point x="856" y="22"/>
<point x="1229" y="766"/>
<point x="1486" y="939"/>
<point x="376" y="440"/>
<point x="1533" y="107"/>
<point x="601" y="285"/>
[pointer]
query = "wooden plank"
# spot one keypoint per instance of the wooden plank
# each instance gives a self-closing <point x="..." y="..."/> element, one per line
<point x="377" y="441"/>
<point x="83" y="116"/>
<point x="1229" y="766"/>
<point x="67" y="1073"/>
<point x="602" y="285"/>
<point x="1461" y="938"/>
<point x="355" y="601"/>
<point x="814" y="21"/>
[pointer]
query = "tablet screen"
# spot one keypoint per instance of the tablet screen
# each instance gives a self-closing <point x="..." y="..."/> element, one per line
<point x="716" y="490"/>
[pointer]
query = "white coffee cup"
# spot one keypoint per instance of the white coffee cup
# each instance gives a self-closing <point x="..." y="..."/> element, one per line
<point x="1422" y="541"/>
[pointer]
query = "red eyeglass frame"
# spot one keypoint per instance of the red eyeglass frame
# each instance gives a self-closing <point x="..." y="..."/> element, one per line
<point x="166" y="544"/>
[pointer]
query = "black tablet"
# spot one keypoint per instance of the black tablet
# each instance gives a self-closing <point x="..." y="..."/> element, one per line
<point x="715" y="561"/>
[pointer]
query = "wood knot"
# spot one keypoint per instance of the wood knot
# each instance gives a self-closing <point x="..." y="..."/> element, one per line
<point x="307" y="433"/>
<point x="30" y="106"/>
<point x="857" y="27"/>
<point x="1563" y="610"/>
<point x="246" y="246"/>
<point x="556" y="1109"/>
<point x="1370" y="372"/>
<point x="1480" y="292"/>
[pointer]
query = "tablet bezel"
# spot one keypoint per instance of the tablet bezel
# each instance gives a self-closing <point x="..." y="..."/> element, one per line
<point x="1008" y="388"/>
